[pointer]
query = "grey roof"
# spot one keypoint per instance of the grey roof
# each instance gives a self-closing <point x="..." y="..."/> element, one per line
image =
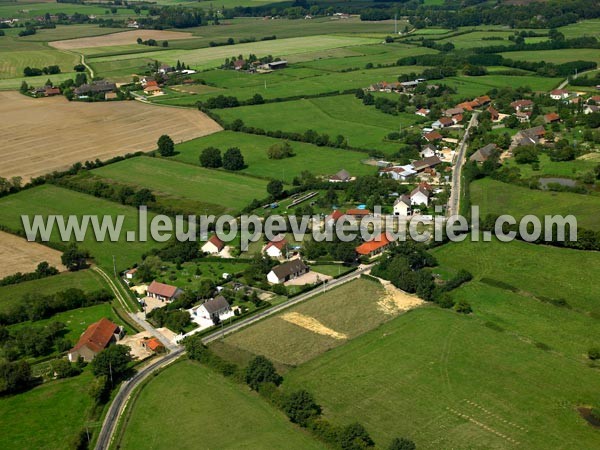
<point x="95" y="87"/>
<point x="426" y="162"/>
<point x="422" y="190"/>
<point x="403" y="199"/>
<point x="342" y="175"/>
<point x="216" y="304"/>
<point x="289" y="268"/>
<point x="483" y="153"/>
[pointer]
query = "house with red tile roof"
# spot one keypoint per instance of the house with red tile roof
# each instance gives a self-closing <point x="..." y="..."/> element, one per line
<point x="276" y="247"/>
<point x="163" y="292"/>
<point x="551" y="118"/>
<point x="94" y="339"/>
<point x="213" y="246"/>
<point x="433" y="136"/>
<point x="375" y="246"/>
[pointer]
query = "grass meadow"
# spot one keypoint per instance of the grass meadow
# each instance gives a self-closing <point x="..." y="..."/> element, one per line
<point x="318" y="160"/>
<point x="47" y="199"/>
<point x="447" y="381"/>
<point x="478" y="39"/>
<point x="363" y="126"/>
<point x="86" y="280"/>
<point x="556" y="56"/>
<point x="217" y="191"/>
<point x="469" y="87"/>
<point x="549" y="168"/>
<point x="495" y="197"/>
<point x="199" y="407"/>
<point x="583" y="28"/>
<point x="350" y="309"/>
<point x="49" y="416"/>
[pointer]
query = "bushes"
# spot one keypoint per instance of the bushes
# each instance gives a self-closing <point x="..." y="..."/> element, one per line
<point x="43" y="270"/>
<point x="260" y="370"/>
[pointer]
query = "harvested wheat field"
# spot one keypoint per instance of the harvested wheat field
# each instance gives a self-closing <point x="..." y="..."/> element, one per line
<point x="47" y="134"/>
<point x="122" y="38"/>
<point x="312" y="324"/>
<point x="396" y="301"/>
<point x="19" y="255"/>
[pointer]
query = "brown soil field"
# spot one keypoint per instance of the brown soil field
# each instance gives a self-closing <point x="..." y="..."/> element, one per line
<point x="122" y="38"/>
<point x="47" y="134"/>
<point x="19" y="255"/>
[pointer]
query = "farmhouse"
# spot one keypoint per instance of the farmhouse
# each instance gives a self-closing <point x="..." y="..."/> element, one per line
<point x="433" y="136"/>
<point x="398" y="173"/>
<point x="375" y="246"/>
<point x="287" y="271"/>
<point x="531" y="136"/>
<point x="402" y="206"/>
<point x="551" y="118"/>
<point x="50" y="91"/>
<point x="277" y="65"/>
<point x="96" y="87"/>
<point x="163" y="292"/>
<point x="214" y="308"/>
<point x="483" y="154"/>
<point x="94" y="339"/>
<point x="483" y="100"/>
<point x="559" y="94"/>
<point x="341" y="177"/>
<point x="420" y="196"/>
<point x="152" y="90"/>
<point x="426" y="163"/>
<point x="276" y="247"/>
<point x="522" y="105"/>
<point x="453" y="111"/>
<point x="213" y="246"/>
<point x="334" y="217"/>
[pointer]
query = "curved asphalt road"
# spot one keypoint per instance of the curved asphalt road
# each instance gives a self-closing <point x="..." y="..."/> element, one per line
<point x="120" y="401"/>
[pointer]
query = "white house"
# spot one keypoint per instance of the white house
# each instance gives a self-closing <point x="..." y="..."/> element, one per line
<point x="402" y="206"/>
<point x="130" y="273"/>
<point x="214" y="308"/>
<point x="559" y="94"/>
<point x="287" y="271"/>
<point x="213" y="246"/>
<point x="276" y="247"/>
<point x="428" y="151"/>
<point x="398" y="173"/>
<point x="420" y="196"/>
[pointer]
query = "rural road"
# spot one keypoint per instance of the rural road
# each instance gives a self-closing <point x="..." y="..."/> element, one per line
<point x="454" y="201"/>
<point x="121" y="399"/>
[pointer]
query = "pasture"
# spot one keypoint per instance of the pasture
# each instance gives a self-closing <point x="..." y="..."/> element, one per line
<point x="311" y="328"/>
<point x="495" y="197"/>
<point x="75" y="32"/>
<point x="24" y="256"/>
<point x="549" y="168"/>
<point x="318" y="160"/>
<point x="469" y="87"/>
<point x="215" y="191"/>
<point x="583" y="28"/>
<point x="485" y="389"/>
<point x="479" y="39"/>
<point x="363" y="126"/>
<point x="84" y="131"/>
<point x="49" y="416"/>
<point x="556" y="56"/>
<point x="86" y="280"/>
<point x="48" y="199"/>
<point x="205" y="58"/>
<point x="246" y="422"/>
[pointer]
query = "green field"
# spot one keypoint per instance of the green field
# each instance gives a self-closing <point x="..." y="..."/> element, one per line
<point x="205" y="58"/>
<point x="584" y="28"/>
<point x="446" y="381"/>
<point x="186" y="277"/>
<point x="190" y="406"/>
<point x="468" y="87"/>
<point x="216" y="191"/>
<point x="350" y="309"/>
<point x="319" y="160"/>
<point x="62" y="32"/>
<point x="363" y="126"/>
<point x="555" y="56"/>
<point x="549" y="168"/>
<point x="529" y="267"/>
<point x="86" y="280"/>
<point x="24" y="10"/>
<point x="476" y="39"/>
<point x="48" y="199"/>
<point x="49" y="416"/>
<point x="285" y="83"/>
<point x="495" y="197"/>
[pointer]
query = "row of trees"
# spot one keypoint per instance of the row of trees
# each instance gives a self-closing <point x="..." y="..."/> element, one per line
<point x="42" y="270"/>
<point x="232" y="159"/>
<point x="34" y="71"/>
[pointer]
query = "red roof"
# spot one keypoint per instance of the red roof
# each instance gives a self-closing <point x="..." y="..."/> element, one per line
<point x="482" y="100"/>
<point x="151" y="88"/>
<point x="279" y="243"/>
<point x="214" y="239"/>
<point x="97" y="336"/>
<point x="433" y="136"/>
<point x="153" y="344"/>
<point x="335" y="215"/>
<point x="358" y="212"/>
<point x="161" y="289"/>
<point x="374" y="244"/>
<point x="552" y="117"/>
<point x="457" y="118"/>
<point x="151" y="83"/>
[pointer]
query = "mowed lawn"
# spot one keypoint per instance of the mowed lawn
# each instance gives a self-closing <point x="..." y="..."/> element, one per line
<point x="349" y="310"/>
<point x="86" y="280"/>
<point x="191" y="406"/>
<point x="218" y="190"/>
<point x="49" y="416"/>
<point x="363" y="126"/>
<point x="318" y="160"/>
<point x="47" y="199"/>
<point x="447" y="381"/>
<point x="495" y="197"/>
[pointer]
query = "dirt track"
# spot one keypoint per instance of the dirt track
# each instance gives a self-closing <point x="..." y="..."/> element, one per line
<point x="19" y="255"/>
<point x="42" y="135"/>
<point x="122" y="38"/>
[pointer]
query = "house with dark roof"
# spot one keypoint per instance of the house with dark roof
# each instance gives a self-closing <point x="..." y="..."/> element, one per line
<point x="287" y="271"/>
<point x="483" y="154"/>
<point x="428" y="151"/>
<point x="163" y="292"/>
<point x="403" y="206"/>
<point x="420" y="196"/>
<point x="343" y="176"/>
<point x="214" y="308"/>
<point x="94" y="339"/>
<point x="96" y="87"/>
<point x="494" y="114"/>
<point x="531" y="136"/>
<point x="426" y="163"/>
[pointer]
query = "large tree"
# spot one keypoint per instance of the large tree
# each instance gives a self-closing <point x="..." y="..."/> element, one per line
<point x="260" y="370"/>
<point x="275" y="188"/>
<point x="112" y="362"/>
<point x="165" y="144"/>
<point x="73" y="258"/>
<point x="233" y="159"/>
<point x="211" y="157"/>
